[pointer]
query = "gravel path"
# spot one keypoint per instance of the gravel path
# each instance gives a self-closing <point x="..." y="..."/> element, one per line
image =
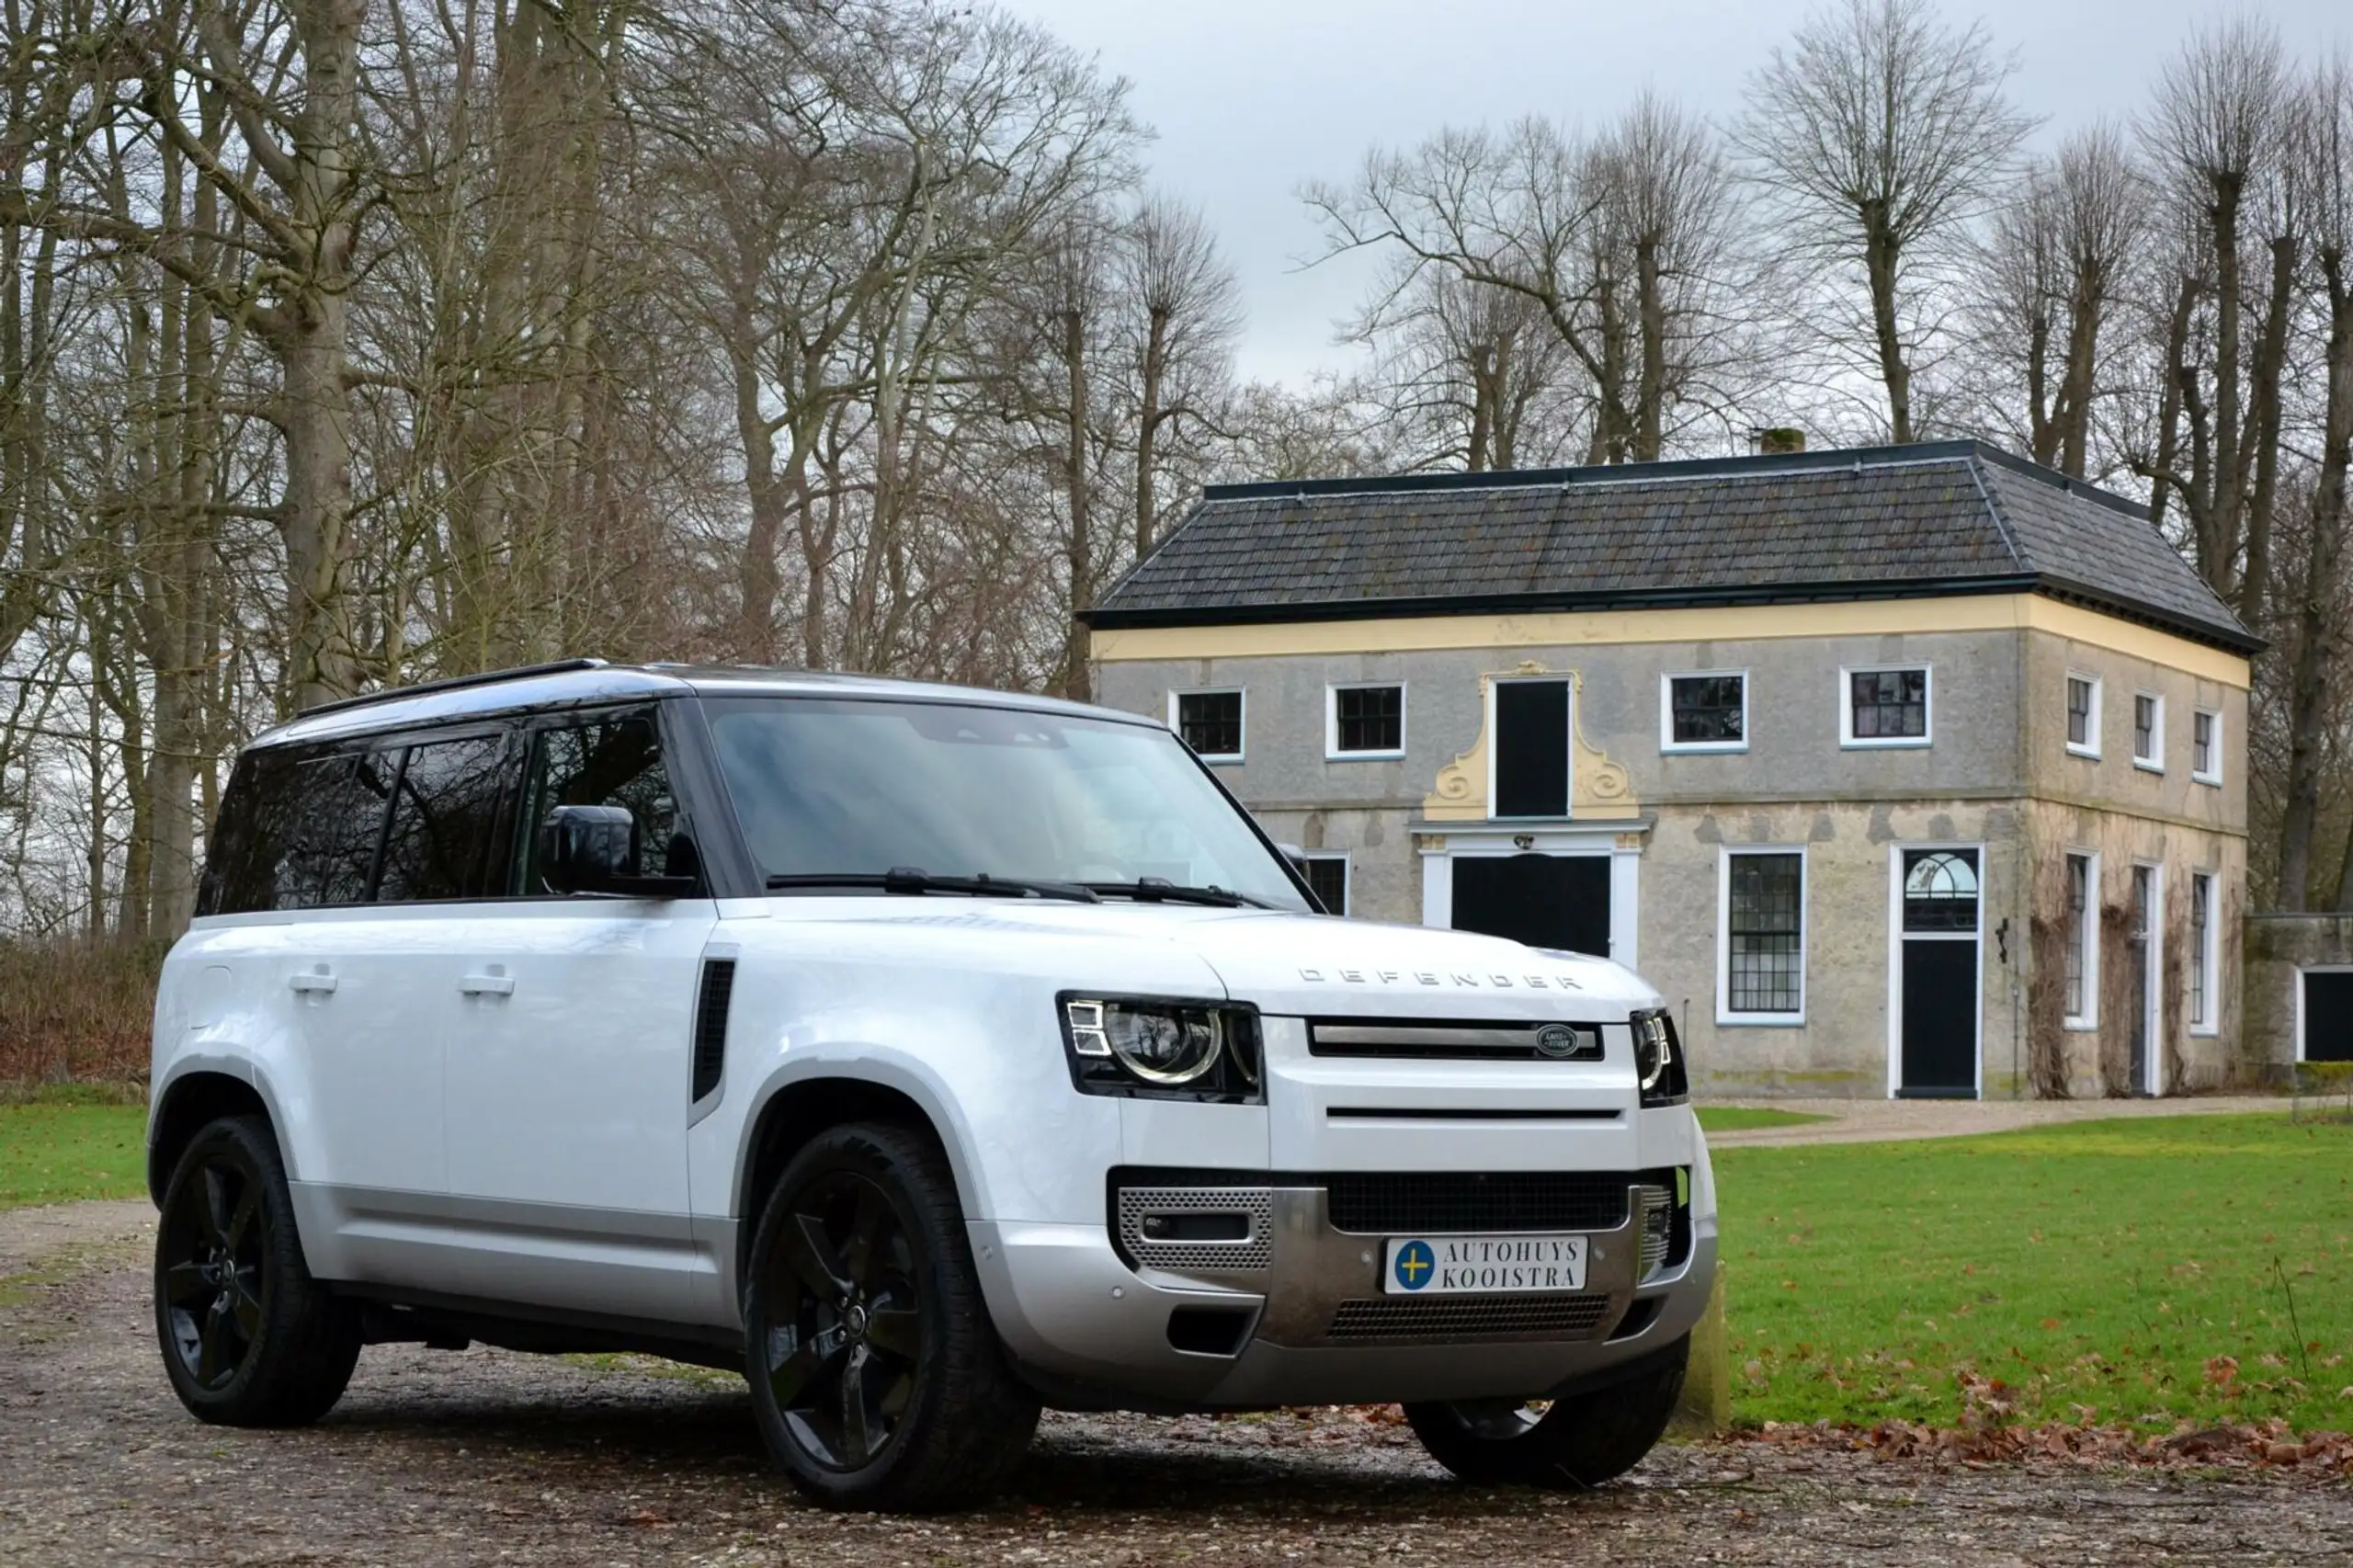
<point x="487" y="1458"/>
<point x="1887" y="1121"/>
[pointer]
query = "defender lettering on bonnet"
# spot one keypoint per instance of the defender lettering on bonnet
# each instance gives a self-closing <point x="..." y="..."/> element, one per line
<point x="1428" y="977"/>
<point x="1013" y="1099"/>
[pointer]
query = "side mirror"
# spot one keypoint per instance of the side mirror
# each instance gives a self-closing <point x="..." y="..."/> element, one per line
<point x="1295" y="854"/>
<point x="587" y="848"/>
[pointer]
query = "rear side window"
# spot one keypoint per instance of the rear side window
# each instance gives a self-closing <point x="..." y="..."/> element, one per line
<point x="298" y="832"/>
<point x="445" y="813"/>
<point x="614" y="760"/>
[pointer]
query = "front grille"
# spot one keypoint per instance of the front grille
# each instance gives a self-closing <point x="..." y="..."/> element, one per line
<point x="1454" y="1042"/>
<point x="1468" y="1317"/>
<point x="1385" y="1203"/>
<point x="1249" y="1255"/>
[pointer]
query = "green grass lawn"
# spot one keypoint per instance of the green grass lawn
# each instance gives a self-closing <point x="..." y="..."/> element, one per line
<point x="65" y="1142"/>
<point x="1742" y="1119"/>
<point x="2116" y="1271"/>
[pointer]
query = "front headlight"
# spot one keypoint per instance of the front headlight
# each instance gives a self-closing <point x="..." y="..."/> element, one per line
<point x="1658" y="1059"/>
<point x="1162" y="1049"/>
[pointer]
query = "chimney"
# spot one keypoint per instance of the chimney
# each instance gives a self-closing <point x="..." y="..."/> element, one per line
<point x="1772" y="441"/>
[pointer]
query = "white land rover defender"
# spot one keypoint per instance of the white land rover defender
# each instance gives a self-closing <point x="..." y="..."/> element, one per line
<point x="929" y="1055"/>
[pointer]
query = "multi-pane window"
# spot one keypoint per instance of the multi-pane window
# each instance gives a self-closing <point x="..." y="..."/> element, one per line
<point x="1211" y="722"/>
<point x="1706" y="712"/>
<point x="2201" y="954"/>
<point x="1764" y="952"/>
<point x="2206" y="747"/>
<point x="1327" y="877"/>
<point x="2083" y="715"/>
<point x="2080" y="939"/>
<point x="1368" y="720"/>
<point x="2149" y="731"/>
<point x="1887" y="707"/>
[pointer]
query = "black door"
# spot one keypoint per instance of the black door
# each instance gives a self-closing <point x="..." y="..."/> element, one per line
<point x="1545" y="900"/>
<point x="2328" y="1015"/>
<point x="1939" y="974"/>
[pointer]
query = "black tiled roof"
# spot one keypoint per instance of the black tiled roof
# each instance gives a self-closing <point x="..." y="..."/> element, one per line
<point x="1880" y="522"/>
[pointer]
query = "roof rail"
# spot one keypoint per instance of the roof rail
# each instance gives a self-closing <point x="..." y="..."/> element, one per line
<point x="450" y="683"/>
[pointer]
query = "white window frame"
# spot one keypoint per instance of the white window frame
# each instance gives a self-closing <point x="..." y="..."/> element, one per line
<point x="1888" y="743"/>
<point x="1240" y="692"/>
<point x="2090" y="747"/>
<point x="2206" y="896"/>
<point x="2157" y="733"/>
<point x="1666" y="740"/>
<point x="1725" y="1017"/>
<point x="2087" y="1021"/>
<point x="1348" y="875"/>
<point x="2214" y="746"/>
<point x="1331" y="752"/>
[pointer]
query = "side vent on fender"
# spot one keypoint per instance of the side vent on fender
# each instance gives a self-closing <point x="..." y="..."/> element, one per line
<point x="711" y="1024"/>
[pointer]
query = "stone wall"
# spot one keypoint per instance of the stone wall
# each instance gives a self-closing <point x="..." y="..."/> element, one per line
<point x="2279" y="948"/>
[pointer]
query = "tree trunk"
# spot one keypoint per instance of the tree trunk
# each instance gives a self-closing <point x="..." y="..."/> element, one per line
<point x="1879" y="260"/>
<point x="1148" y="417"/>
<point x="1650" y="393"/>
<point x="2263" y="417"/>
<point x="1075" y="683"/>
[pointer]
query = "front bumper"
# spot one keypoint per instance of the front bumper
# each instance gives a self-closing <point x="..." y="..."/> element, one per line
<point x="1089" y="1328"/>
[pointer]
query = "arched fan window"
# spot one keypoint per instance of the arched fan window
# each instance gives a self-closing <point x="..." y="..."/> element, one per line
<point x="1940" y="890"/>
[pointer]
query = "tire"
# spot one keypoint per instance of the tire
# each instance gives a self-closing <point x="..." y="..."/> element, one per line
<point x="249" y="1338"/>
<point x="877" y="1378"/>
<point x="1573" y="1444"/>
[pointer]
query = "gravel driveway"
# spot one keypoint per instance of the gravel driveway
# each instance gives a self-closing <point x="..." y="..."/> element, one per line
<point x="486" y="1457"/>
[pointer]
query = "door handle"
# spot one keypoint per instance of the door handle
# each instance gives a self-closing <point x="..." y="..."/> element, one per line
<point x="317" y="983"/>
<point x="488" y="985"/>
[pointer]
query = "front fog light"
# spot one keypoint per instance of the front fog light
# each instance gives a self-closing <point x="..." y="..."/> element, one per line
<point x="1147" y="1047"/>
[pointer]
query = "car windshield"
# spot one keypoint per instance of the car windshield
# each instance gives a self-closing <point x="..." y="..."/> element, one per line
<point x="827" y="787"/>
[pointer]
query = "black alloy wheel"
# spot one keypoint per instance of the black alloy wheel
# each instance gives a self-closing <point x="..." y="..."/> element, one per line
<point x="849" y="1325"/>
<point x="210" y="1255"/>
<point x="248" y="1337"/>
<point x="1582" y="1440"/>
<point x="877" y="1376"/>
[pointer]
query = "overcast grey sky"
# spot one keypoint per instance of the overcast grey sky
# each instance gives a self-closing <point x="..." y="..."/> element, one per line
<point x="1251" y="97"/>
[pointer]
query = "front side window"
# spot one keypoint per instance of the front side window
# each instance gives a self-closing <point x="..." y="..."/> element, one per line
<point x="2149" y="732"/>
<point x="610" y="760"/>
<point x="2206" y="747"/>
<point x="2083" y="715"/>
<point x="2082" y="942"/>
<point x="1762" y="974"/>
<point x="1706" y="712"/>
<point x="1211" y="722"/>
<point x="1328" y="876"/>
<point x="445" y="812"/>
<point x="1887" y="708"/>
<point x="827" y="789"/>
<point x="1368" y="720"/>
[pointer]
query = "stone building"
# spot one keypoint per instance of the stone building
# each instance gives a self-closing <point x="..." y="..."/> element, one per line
<point x="1914" y="770"/>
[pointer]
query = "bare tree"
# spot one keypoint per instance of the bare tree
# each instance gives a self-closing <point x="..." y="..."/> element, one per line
<point x="2216" y="134"/>
<point x="1188" y="310"/>
<point x="1881" y="133"/>
<point x="2047" y="280"/>
<point x="2321" y="145"/>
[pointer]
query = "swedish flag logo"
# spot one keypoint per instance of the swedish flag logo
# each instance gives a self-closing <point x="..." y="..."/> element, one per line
<point x="1415" y="1265"/>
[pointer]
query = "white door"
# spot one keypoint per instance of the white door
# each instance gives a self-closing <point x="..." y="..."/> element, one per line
<point x="570" y="1078"/>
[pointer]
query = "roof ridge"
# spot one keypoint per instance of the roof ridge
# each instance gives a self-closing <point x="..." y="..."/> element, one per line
<point x="2001" y="524"/>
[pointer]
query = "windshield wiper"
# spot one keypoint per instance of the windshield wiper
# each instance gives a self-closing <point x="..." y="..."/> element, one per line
<point x="1160" y="890"/>
<point x="915" y="880"/>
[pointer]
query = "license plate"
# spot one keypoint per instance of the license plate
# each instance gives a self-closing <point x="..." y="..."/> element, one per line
<point x="1483" y="1265"/>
